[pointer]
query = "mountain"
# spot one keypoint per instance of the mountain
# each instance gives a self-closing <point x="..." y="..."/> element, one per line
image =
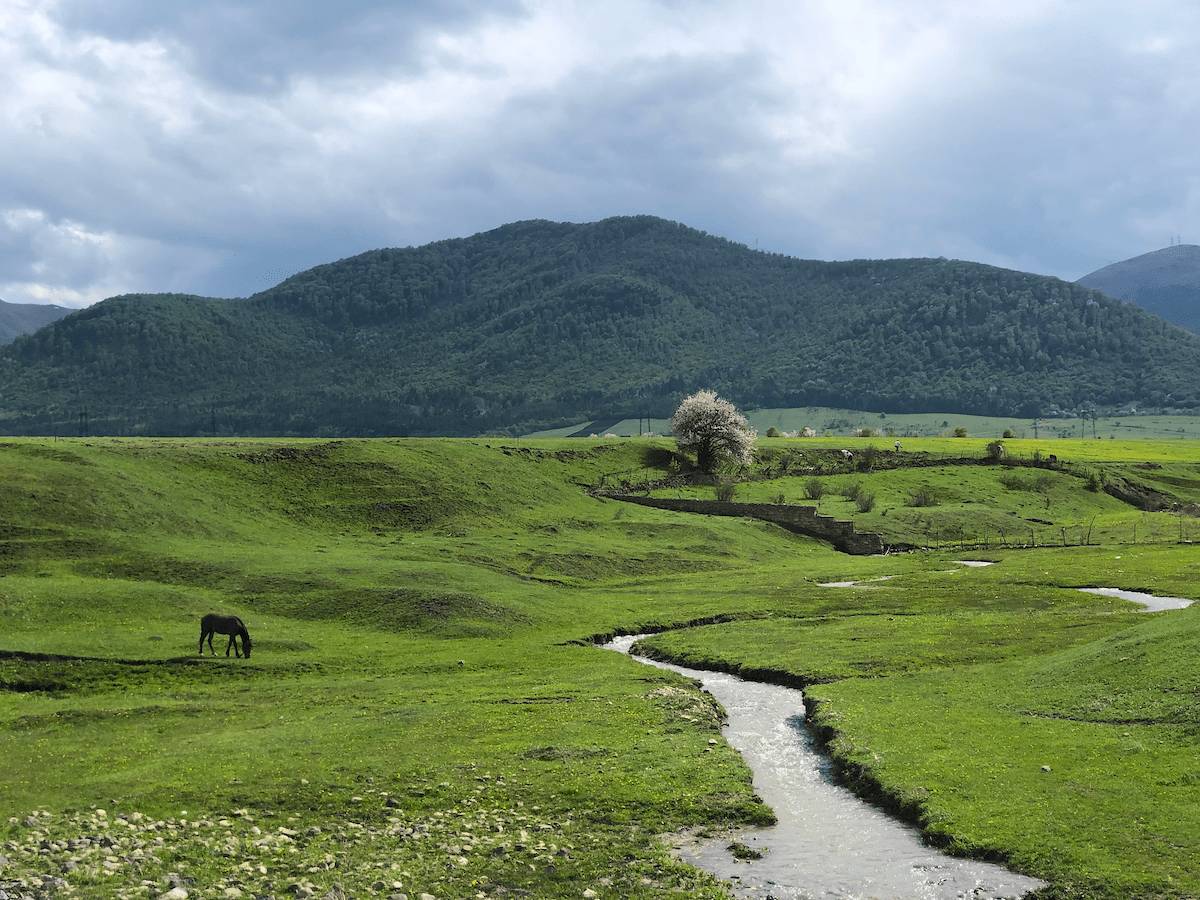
<point x="17" y="319"/>
<point x="540" y="324"/>
<point x="1165" y="282"/>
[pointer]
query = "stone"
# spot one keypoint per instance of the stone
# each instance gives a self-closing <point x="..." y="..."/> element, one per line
<point x="175" y="893"/>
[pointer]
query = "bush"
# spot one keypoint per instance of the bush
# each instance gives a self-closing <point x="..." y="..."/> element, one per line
<point x="865" y="460"/>
<point x="725" y="491"/>
<point x="864" y="502"/>
<point x="772" y="431"/>
<point x="921" y="497"/>
<point x="995" y="450"/>
<point x="960" y="432"/>
<point x="1008" y="434"/>
<point x="814" y="489"/>
<point x="851" y="490"/>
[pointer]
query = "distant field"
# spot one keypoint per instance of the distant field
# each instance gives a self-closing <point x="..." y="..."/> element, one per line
<point x="840" y="423"/>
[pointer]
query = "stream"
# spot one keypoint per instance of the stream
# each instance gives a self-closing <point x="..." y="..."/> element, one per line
<point x="827" y="843"/>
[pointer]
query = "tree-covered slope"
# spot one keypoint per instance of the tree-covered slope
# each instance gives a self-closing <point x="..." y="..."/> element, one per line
<point x="1166" y="282"/>
<point x="17" y="319"/>
<point x="537" y="323"/>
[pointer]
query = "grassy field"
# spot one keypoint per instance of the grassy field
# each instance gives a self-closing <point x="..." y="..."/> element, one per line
<point x="842" y="422"/>
<point x="423" y="712"/>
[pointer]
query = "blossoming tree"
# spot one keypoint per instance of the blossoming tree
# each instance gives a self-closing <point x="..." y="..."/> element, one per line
<point x="712" y="428"/>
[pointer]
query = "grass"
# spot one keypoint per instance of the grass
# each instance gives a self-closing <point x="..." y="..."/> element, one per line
<point x="905" y="426"/>
<point x="423" y="692"/>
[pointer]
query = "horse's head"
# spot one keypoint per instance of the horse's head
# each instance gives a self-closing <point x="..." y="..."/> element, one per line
<point x="246" y="644"/>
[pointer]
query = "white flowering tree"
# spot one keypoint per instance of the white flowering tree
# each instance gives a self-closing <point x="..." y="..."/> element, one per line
<point x="712" y="428"/>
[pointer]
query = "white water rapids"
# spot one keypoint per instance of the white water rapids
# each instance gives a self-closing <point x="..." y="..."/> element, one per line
<point x="827" y="843"/>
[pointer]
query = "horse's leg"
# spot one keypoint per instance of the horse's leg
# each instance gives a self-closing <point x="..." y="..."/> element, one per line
<point x="227" y="646"/>
<point x="202" y="641"/>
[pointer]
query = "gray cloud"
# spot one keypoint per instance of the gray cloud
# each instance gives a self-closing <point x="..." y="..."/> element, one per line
<point x="217" y="148"/>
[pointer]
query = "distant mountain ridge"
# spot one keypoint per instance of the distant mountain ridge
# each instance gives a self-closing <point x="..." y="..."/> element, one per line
<point x="537" y="325"/>
<point x="1165" y="282"/>
<point x="17" y="319"/>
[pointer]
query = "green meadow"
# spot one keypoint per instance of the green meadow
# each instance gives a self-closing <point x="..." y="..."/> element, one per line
<point x="424" y="712"/>
<point x="841" y="423"/>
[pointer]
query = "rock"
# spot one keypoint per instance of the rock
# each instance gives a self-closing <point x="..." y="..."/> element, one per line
<point x="589" y="894"/>
<point x="1045" y="768"/>
<point x="175" y="893"/>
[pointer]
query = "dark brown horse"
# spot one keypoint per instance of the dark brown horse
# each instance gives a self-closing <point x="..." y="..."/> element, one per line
<point x="215" y="623"/>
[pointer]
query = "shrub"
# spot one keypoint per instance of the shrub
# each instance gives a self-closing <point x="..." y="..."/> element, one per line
<point x="865" y="461"/>
<point x="814" y="489"/>
<point x="772" y="431"/>
<point x="921" y="497"/>
<point x="960" y="432"/>
<point x="725" y="491"/>
<point x="1008" y="434"/>
<point x="850" y="489"/>
<point x="864" y="502"/>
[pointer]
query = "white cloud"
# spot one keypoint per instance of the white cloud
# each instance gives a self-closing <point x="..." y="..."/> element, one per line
<point x="154" y="147"/>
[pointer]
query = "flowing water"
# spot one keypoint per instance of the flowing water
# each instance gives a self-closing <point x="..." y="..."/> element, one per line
<point x="827" y="843"/>
<point x="1152" y="603"/>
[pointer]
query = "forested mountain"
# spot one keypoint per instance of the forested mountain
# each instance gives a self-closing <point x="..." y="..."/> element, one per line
<point x="1165" y="282"/>
<point x="538" y="324"/>
<point x="25" y="318"/>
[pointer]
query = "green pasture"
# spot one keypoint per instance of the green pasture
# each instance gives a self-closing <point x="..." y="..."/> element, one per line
<point x="841" y="423"/>
<point x="423" y="690"/>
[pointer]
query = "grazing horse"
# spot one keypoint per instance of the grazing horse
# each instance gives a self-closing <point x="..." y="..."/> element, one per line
<point x="214" y="623"/>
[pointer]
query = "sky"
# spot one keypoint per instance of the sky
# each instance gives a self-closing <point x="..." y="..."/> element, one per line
<point x="216" y="148"/>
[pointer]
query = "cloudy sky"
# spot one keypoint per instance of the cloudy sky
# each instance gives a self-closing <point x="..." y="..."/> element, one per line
<point x="218" y="147"/>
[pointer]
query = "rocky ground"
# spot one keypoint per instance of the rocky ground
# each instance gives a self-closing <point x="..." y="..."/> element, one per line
<point x="247" y="854"/>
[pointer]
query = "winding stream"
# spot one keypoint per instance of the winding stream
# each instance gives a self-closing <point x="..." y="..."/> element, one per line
<point x="827" y="843"/>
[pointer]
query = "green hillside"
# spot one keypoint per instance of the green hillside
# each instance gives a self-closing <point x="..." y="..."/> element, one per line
<point x="538" y="325"/>
<point x="423" y="713"/>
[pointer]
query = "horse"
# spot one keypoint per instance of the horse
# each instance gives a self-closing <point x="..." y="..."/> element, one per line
<point x="215" y="623"/>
